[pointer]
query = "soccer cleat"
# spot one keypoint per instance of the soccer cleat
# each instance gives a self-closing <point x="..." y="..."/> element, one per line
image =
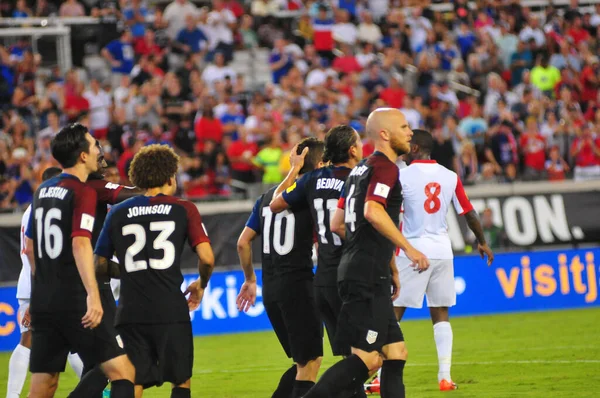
<point x="373" y="387"/>
<point x="446" y="385"/>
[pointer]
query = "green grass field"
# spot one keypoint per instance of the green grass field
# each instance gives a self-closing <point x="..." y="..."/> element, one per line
<point x="544" y="354"/>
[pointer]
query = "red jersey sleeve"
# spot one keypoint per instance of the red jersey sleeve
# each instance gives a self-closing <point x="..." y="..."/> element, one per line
<point x="196" y="231"/>
<point x="106" y="192"/>
<point x="84" y="212"/>
<point x="462" y="204"/>
<point x="383" y="179"/>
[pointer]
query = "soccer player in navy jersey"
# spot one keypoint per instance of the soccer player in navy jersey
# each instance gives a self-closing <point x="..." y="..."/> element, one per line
<point x="287" y="277"/>
<point x="367" y="274"/>
<point x="66" y="311"/>
<point x="148" y="233"/>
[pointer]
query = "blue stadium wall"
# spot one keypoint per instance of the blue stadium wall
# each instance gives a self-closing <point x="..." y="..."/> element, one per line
<point x="525" y="281"/>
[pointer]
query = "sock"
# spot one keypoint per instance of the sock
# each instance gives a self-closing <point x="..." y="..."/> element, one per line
<point x="180" y="392"/>
<point x="91" y="384"/>
<point x="122" y="389"/>
<point x="286" y="384"/>
<point x="76" y="364"/>
<point x="379" y="374"/>
<point x="442" y="334"/>
<point x="392" y="383"/>
<point x="18" y="367"/>
<point x="301" y="387"/>
<point x="345" y="374"/>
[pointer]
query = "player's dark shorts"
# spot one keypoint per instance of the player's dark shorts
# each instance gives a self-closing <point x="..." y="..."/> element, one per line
<point x="54" y="335"/>
<point x="161" y="352"/>
<point x="110" y="312"/>
<point x="296" y="322"/>
<point x="329" y="305"/>
<point x="367" y="320"/>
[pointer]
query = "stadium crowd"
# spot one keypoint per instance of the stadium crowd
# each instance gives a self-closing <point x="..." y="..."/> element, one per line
<point x="508" y="93"/>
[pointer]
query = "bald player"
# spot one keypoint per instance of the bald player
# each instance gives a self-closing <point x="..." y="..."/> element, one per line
<point x="367" y="275"/>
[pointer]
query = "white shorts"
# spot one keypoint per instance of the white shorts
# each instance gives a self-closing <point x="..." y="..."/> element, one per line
<point x="437" y="282"/>
<point x="23" y="305"/>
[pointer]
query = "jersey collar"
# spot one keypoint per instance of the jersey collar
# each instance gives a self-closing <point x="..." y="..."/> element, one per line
<point x="423" y="161"/>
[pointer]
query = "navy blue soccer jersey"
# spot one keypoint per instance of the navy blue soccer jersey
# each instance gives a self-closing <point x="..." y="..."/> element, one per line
<point x="287" y="241"/>
<point x="367" y="253"/>
<point x="320" y="190"/>
<point x="148" y="234"/>
<point x="63" y="208"/>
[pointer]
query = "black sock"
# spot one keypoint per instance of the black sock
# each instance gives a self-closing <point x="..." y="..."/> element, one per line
<point x="91" y="384"/>
<point x="180" y="392"/>
<point x="301" y="387"/>
<point x="122" y="389"/>
<point x="347" y="374"/>
<point x="286" y="384"/>
<point x="392" y="383"/>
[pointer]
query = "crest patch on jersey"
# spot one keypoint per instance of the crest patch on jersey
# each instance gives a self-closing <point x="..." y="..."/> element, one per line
<point x="291" y="188"/>
<point x="372" y="336"/>
<point x="110" y="185"/>
<point x="87" y="222"/>
<point x="381" y="190"/>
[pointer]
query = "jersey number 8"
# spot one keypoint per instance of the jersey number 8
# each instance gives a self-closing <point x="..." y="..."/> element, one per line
<point x="432" y="192"/>
<point x="161" y="242"/>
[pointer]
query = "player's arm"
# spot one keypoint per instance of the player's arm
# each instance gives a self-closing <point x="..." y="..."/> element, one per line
<point x="381" y="184"/>
<point x="128" y="192"/>
<point x="463" y="206"/>
<point x="395" y="277"/>
<point x="278" y="204"/>
<point x="338" y="225"/>
<point x="29" y="252"/>
<point x="247" y="294"/>
<point x="84" y="211"/>
<point x="106" y="267"/>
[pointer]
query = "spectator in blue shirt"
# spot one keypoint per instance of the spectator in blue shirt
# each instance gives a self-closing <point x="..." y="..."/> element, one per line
<point x="119" y="54"/>
<point x="519" y="61"/>
<point x="466" y="40"/>
<point x="21" y="10"/>
<point x="135" y="18"/>
<point x="232" y="118"/>
<point x="446" y="51"/>
<point x="191" y="39"/>
<point x="280" y="61"/>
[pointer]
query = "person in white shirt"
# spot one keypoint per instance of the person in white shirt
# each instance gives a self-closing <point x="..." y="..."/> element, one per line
<point x="18" y="364"/>
<point x="428" y="189"/>
<point x="100" y="104"/>
<point x="344" y="31"/>
<point x="367" y="31"/>
<point x="413" y="116"/>
<point x="220" y="23"/>
<point x="218" y="71"/>
<point x="175" y="15"/>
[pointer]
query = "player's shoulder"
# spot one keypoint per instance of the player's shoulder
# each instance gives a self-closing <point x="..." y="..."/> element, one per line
<point x="268" y="196"/>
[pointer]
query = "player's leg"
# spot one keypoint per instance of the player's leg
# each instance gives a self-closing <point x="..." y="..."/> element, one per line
<point x="18" y="364"/>
<point x="174" y="345"/>
<point x="43" y="385"/>
<point x="182" y="390"/>
<point x="441" y="295"/>
<point x="394" y="352"/>
<point x="286" y="382"/>
<point x="305" y="334"/>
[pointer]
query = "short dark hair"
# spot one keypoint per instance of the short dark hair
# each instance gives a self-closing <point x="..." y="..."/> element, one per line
<point x="423" y="139"/>
<point x="69" y="143"/>
<point x="315" y="153"/>
<point x="153" y="166"/>
<point x="51" y="172"/>
<point x="338" y="142"/>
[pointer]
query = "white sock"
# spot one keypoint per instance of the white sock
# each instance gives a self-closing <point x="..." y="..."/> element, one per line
<point x="17" y="371"/>
<point x="442" y="333"/>
<point x="379" y="374"/>
<point x="76" y="364"/>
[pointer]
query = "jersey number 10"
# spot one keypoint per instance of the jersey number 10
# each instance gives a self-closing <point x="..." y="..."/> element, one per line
<point x="288" y="234"/>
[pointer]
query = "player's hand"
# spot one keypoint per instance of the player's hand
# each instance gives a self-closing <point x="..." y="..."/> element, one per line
<point x="297" y="161"/>
<point x="484" y="250"/>
<point x="419" y="261"/>
<point x="247" y="296"/>
<point x="395" y="286"/>
<point x="26" y="321"/>
<point x="196" y="293"/>
<point x="94" y="313"/>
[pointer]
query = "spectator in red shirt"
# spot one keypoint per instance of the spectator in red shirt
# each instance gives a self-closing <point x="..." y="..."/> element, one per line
<point x="147" y="45"/>
<point x="235" y="7"/>
<point x="533" y="147"/>
<point x="394" y="94"/>
<point x="556" y="167"/>
<point x="207" y="127"/>
<point x="240" y="154"/>
<point x="347" y="63"/>
<point x="323" y="33"/>
<point x="586" y="152"/>
<point x="577" y="32"/>
<point x="76" y="104"/>
<point x="589" y="80"/>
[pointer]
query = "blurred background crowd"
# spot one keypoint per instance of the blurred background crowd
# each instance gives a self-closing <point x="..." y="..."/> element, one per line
<point x="509" y="93"/>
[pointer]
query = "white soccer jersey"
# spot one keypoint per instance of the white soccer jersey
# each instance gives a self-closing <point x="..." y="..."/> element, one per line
<point x="24" y="284"/>
<point x="427" y="190"/>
